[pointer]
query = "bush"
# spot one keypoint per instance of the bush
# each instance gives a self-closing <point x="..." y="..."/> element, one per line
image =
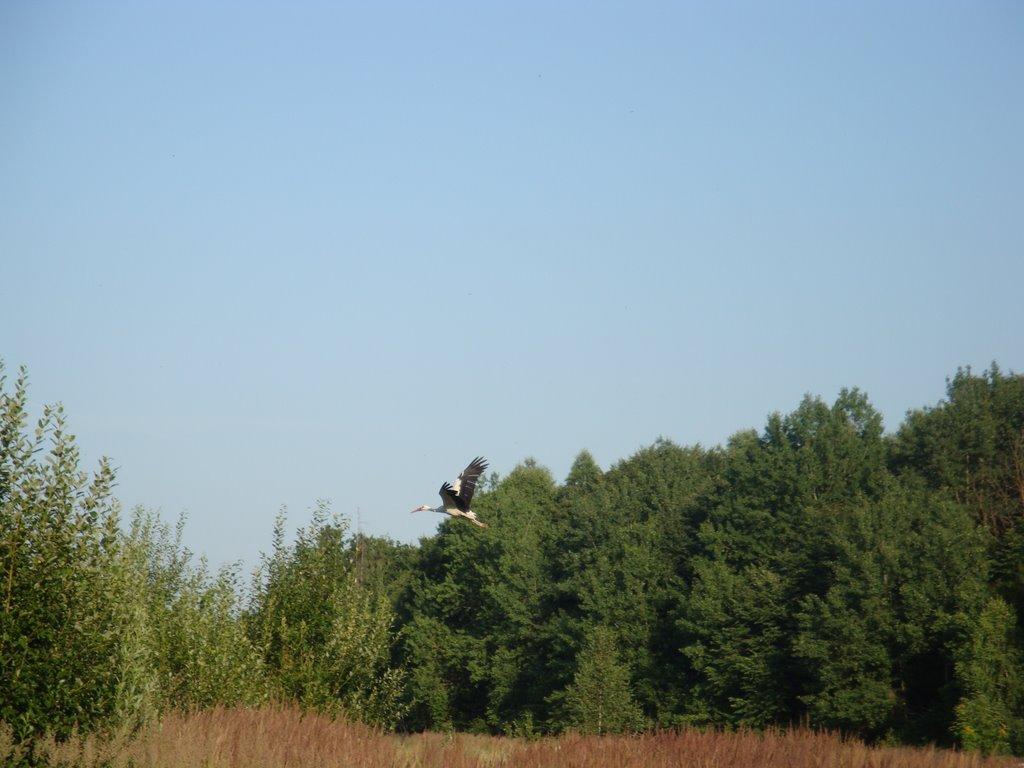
<point x="325" y="635"/>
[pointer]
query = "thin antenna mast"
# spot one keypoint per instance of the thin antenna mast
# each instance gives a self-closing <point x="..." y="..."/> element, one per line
<point x="359" y="545"/>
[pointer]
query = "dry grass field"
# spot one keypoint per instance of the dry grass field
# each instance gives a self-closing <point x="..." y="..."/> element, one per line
<point x="282" y="737"/>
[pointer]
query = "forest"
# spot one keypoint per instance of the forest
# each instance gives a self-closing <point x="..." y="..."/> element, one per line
<point x="819" y="571"/>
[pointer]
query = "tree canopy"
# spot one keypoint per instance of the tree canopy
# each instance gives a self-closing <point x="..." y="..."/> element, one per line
<point x="817" y="570"/>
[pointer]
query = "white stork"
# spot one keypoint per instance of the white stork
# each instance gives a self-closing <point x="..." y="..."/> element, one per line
<point x="458" y="495"/>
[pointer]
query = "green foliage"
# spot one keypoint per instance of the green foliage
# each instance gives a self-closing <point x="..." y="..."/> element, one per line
<point x="195" y="641"/>
<point x="817" y="571"/>
<point x="101" y="626"/>
<point x="599" y="700"/>
<point x="326" y="635"/>
<point x="972" y="445"/>
<point x="990" y="717"/>
<point x="432" y="657"/>
<point x="845" y="635"/>
<point x="879" y="645"/>
<point x="620" y="557"/>
<point x="733" y="641"/>
<point x="474" y="649"/>
<point x="66" y="642"/>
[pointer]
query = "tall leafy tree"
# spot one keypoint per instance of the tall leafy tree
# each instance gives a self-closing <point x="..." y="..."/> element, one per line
<point x="731" y="629"/>
<point x="67" y="653"/>
<point x="971" y="445"/>
<point x="880" y="643"/>
<point x="764" y="544"/>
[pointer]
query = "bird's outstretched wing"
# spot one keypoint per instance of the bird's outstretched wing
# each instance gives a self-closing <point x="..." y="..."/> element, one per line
<point x="464" y="487"/>
<point x="449" y="496"/>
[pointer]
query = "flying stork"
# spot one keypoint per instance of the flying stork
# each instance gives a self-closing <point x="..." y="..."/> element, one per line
<point x="458" y="495"/>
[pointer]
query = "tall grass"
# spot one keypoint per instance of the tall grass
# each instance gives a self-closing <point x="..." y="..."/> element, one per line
<point x="285" y="737"/>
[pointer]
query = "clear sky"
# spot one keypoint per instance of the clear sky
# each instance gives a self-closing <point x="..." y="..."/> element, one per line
<point x="269" y="253"/>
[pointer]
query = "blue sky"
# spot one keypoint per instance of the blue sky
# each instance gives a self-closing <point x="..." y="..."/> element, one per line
<point x="270" y="253"/>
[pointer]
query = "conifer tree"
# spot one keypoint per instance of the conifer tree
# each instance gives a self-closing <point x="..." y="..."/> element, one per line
<point x="599" y="700"/>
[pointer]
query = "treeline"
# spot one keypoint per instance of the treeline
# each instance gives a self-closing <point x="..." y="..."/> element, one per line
<point x="107" y="623"/>
<point x="819" y="571"/>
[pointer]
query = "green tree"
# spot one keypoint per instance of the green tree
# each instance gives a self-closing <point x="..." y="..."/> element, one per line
<point x="477" y="644"/>
<point x="69" y="653"/>
<point x="326" y="635"/>
<point x="990" y="716"/>
<point x="732" y="630"/>
<point x="599" y="699"/>
<point x="619" y="551"/>
<point x="763" y="548"/>
<point x="196" y="641"/>
<point x="970" y="447"/>
<point x="846" y="635"/>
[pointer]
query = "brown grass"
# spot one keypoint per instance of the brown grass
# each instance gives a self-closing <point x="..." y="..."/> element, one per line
<point x="282" y="737"/>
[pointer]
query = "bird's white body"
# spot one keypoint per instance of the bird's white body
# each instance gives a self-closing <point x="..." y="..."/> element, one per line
<point x="469" y="514"/>
<point x="457" y="496"/>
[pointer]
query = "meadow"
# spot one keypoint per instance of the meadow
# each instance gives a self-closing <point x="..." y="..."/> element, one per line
<point x="284" y="737"/>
